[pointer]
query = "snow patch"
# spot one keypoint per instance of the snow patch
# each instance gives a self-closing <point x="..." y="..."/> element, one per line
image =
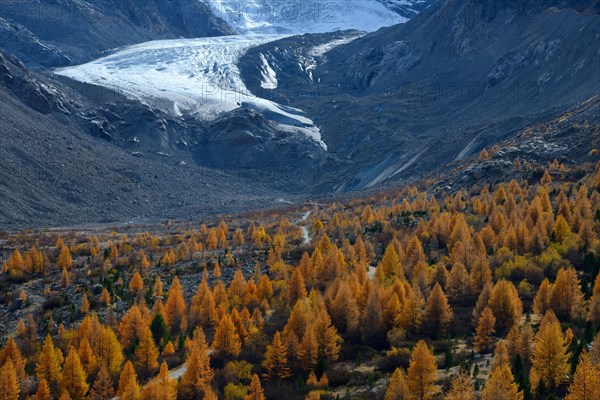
<point x="269" y="76"/>
<point x="306" y="16"/>
<point x="320" y="50"/>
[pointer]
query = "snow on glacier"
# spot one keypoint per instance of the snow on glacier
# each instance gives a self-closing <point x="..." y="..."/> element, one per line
<point x="197" y="77"/>
<point x="304" y="16"/>
<point x="200" y="77"/>
<point x="269" y="76"/>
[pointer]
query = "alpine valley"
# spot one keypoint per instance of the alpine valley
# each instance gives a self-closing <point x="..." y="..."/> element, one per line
<point x="177" y="108"/>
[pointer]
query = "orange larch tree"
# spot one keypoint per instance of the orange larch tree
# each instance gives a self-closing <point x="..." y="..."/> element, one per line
<point x="74" y="379"/>
<point x="501" y="386"/>
<point x="586" y="381"/>
<point x="146" y="354"/>
<point x="175" y="308"/>
<point x="255" y="390"/>
<point x="485" y="328"/>
<point x="438" y="313"/>
<point x="397" y="389"/>
<point x="275" y="362"/>
<point x="9" y="382"/>
<point x="505" y="304"/>
<point x="422" y="373"/>
<point x="227" y="342"/>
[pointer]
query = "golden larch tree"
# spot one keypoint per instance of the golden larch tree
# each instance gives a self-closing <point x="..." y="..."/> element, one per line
<point x="308" y="351"/>
<point x="550" y="363"/>
<point x="74" y="379"/>
<point x="541" y="302"/>
<point x="561" y="230"/>
<point x="255" y="390"/>
<point x="586" y="381"/>
<point x="128" y="378"/>
<point x="227" y="342"/>
<point x="131" y="392"/>
<point x="566" y="298"/>
<point x="144" y="263"/>
<point x="296" y="288"/>
<point x="459" y="283"/>
<point x="11" y="352"/>
<point x="109" y="350"/>
<point x="505" y="304"/>
<point x="413" y="310"/>
<point x="9" y="382"/>
<point x="84" y="308"/>
<point x="175" y="308"/>
<point x="15" y="263"/>
<point x="398" y="388"/>
<point x="344" y="310"/>
<point x="390" y="267"/>
<point x="105" y="297"/>
<point x="102" y="389"/>
<point x="485" y="328"/>
<point x="163" y="387"/>
<point x="65" y="396"/>
<point x="594" y="307"/>
<point x="157" y="290"/>
<point x="484" y="155"/>
<point x="461" y="388"/>
<point x="238" y="238"/>
<point x="208" y="314"/>
<point x="64" y="259"/>
<point x="88" y="359"/>
<point x="146" y="354"/>
<point x="275" y="362"/>
<point x="480" y="274"/>
<point x="48" y="365"/>
<point x="65" y="278"/>
<point x="328" y="339"/>
<point x="136" y="285"/>
<point x="438" y="313"/>
<point x="130" y="326"/>
<point x="501" y="356"/>
<point x="198" y="375"/>
<point x="422" y="373"/>
<point x="43" y="392"/>
<point x="501" y="386"/>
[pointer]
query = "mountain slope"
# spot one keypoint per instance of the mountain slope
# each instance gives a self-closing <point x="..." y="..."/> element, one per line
<point x="440" y="87"/>
<point x="56" y="33"/>
<point x="61" y="163"/>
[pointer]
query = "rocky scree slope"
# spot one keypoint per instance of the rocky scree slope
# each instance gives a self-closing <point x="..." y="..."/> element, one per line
<point x="75" y="160"/>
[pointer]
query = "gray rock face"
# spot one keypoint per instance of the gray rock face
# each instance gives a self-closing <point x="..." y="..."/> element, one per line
<point x="16" y="79"/>
<point x="372" y="64"/>
<point x="457" y="78"/>
<point x="18" y="40"/>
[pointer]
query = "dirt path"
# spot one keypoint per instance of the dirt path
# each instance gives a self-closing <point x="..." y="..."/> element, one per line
<point x="306" y="239"/>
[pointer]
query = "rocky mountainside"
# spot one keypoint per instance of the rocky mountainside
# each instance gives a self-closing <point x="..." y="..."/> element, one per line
<point x="125" y="135"/>
<point x="70" y="156"/>
<point x="440" y="87"/>
<point x="56" y="33"/>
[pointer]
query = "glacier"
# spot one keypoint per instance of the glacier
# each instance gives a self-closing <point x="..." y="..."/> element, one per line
<point x="200" y="77"/>
<point x="306" y="16"/>
<point x="194" y="77"/>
